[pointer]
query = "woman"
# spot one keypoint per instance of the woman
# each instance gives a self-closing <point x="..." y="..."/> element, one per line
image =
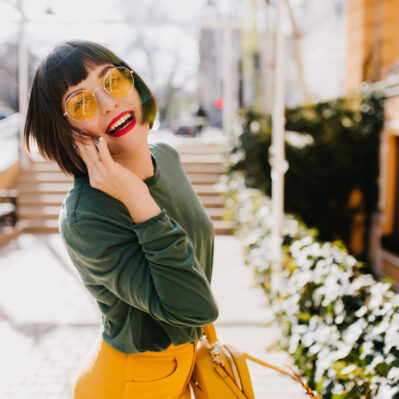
<point x="132" y="224"/>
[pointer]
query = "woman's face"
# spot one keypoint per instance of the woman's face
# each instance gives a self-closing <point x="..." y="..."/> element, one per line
<point x="110" y="110"/>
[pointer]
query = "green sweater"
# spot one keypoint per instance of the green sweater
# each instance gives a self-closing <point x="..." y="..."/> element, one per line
<point x="151" y="280"/>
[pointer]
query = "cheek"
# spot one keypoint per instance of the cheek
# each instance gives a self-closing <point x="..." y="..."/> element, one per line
<point x="92" y="127"/>
<point x="78" y="125"/>
<point x="136" y="101"/>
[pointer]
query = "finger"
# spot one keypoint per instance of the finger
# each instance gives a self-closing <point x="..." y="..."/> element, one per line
<point x="97" y="166"/>
<point x="91" y="151"/>
<point x="103" y="150"/>
<point x="79" y="141"/>
<point x="82" y="151"/>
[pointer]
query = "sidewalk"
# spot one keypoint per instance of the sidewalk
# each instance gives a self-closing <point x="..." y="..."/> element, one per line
<point x="243" y="313"/>
<point x="48" y="320"/>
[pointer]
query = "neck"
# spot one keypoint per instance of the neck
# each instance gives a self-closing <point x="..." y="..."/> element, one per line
<point x="138" y="162"/>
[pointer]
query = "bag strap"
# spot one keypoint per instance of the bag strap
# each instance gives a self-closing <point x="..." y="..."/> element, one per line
<point x="210" y="332"/>
<point x="293" y="375"/>
<point x="229" y="381"/>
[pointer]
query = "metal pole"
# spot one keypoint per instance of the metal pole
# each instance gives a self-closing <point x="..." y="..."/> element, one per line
<point x="23" y="68"/>
<point x="227" y="78"/>
<point x="278" y="162"/>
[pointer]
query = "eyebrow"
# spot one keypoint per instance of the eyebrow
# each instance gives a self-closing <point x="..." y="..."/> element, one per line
<point x="99" y="76"/>
<point x="104" y="71"/>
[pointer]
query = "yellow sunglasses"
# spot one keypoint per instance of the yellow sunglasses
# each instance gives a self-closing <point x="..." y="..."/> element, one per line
<point x="82" y="104"/>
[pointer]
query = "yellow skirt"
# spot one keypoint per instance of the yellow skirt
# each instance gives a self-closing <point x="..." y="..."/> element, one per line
<point x="110" y="374"/>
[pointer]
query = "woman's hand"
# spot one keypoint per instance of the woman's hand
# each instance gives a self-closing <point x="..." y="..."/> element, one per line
<point x="107" y="175"/>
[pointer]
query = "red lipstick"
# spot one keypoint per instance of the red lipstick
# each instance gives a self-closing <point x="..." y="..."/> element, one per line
<point x="126" y="126"/>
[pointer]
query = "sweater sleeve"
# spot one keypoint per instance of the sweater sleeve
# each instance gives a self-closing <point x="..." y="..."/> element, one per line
<point x="151" y="267"/>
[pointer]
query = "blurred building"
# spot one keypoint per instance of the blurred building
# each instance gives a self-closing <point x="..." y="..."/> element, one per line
<point x="322" y="26"/>
<point x="8" y="77"/>
<point x="210" y="73"/>
<point x="373" y="56"/>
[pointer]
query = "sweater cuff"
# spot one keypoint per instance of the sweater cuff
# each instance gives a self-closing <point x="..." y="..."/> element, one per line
<point x="150" y="220"/>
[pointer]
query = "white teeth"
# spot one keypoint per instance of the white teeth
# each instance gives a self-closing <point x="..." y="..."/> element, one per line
<point x="119" y="122"/>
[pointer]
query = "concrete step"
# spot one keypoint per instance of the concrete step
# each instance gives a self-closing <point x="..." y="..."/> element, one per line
<point x="188" y="167"/>
<point x="213" y="159"/>
<point x="51" y="226"/>
<point x="41" y="199"/>
<point x="38" y="212"/>
<point x="203" y="168"/>
<point x="39" y="225"/>
<point x="52" y="212"/>
<point x="201" y="148"/>
<point x="54" y="177"/>
<point x="207" y="189"/>
<point x="200" y="178"/>
<point x="43" y="188"/>
<point x="63" y="188"/>
<point x="43" y="177"/>
<point x="44" y="167"/>
<point x="203" y="178"/>
<point x="183" y="149"/>
<point x="222" y="227"/>
<point x="215" y="213"/>
<point x="187" y="155"/>
<point x="208" y="201"/>
<point x="185" y="158"/>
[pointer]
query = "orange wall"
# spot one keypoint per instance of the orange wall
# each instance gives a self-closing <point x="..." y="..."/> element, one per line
<point x="373" y="40"/>
<point x="360" y="40"/>
<point x="373" y="55"/>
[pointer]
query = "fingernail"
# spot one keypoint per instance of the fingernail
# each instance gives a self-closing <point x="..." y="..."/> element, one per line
<point x="101" y="139"/>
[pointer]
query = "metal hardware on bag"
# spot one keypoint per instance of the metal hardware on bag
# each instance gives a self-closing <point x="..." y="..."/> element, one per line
<point x="215" y="353"/>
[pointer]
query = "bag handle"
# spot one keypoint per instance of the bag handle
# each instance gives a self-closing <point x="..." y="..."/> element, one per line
<point x="210" y="332"/>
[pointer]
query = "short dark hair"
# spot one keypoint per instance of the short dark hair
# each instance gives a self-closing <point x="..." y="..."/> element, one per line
<point x="66" y="66"/>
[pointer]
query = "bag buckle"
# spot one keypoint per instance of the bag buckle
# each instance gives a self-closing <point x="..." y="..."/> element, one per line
<point x="215" y="353"/>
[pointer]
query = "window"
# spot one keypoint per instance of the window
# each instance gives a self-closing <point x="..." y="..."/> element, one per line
<point x="391" y="242"/>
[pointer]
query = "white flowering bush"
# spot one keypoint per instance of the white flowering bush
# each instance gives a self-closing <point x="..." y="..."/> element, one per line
<point x="340" y="325"/>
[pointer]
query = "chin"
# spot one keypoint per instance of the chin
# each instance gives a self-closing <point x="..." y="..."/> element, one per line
<point x="130" y="142"/>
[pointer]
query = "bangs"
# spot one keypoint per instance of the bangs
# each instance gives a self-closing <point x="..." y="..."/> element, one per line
<point x="68" y="64"/>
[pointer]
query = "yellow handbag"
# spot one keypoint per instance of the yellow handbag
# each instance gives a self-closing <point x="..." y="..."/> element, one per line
<point x="221" y="370"/>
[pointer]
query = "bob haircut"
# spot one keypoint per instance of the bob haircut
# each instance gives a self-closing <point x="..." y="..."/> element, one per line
<point x="66" y="66"/>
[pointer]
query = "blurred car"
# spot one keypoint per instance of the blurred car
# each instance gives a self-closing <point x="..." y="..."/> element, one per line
<point x="184" y="130"/>
<point x="191" y="127"/>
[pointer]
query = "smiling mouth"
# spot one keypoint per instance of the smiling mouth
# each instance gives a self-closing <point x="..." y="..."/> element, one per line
<point x="122" y="124"/>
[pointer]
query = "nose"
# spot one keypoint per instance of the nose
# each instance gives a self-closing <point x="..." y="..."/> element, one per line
<point x="105" y="102"/>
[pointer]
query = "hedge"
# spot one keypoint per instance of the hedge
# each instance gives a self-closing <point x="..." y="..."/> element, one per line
<point x="340" y="324"/>
<point x="332" y="149"/>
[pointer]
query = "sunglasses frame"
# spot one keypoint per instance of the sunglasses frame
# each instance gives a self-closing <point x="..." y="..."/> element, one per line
<point x="93" y="92"/>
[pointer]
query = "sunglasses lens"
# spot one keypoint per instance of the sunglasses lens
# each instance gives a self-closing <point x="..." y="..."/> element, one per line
<point x="118" y="82"/>
<point x="81" y="105"/>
